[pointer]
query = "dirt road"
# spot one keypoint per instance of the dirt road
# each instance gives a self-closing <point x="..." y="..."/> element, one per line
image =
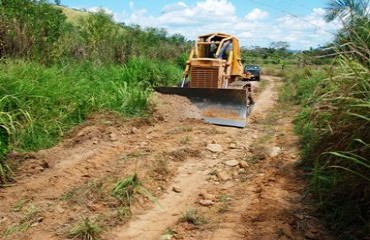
<point x="209" y="182"/>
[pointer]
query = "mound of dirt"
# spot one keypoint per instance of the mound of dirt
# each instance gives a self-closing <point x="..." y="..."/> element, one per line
<point x="173" y="108"/>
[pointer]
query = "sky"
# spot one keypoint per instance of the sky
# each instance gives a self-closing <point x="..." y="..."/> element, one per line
<point x="254" y="22"/>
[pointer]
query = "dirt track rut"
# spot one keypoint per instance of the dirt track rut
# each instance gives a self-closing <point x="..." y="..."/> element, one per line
<point x="258" y="198"/>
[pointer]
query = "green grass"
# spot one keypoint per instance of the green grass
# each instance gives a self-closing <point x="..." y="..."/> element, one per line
<point x="224" y="203"/>
<point x="91" y="190"/>
<point x="57" y="98"/>
<point x="333" y="124"/>
<point x="300" y="84"/>
<point x="30" y="216"/>
<point x="128" y="188"/>
<point x="9" y="127"/>
<point x="86" y="229"/>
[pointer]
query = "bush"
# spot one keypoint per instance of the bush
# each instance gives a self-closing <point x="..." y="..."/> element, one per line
<point x="30" y="28"/>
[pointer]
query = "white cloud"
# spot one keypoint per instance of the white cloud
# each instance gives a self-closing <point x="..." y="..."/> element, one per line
<point x="256" y="14"/>
<point x="217" y="7"/>
<point x="174" y="7"/>
<point x="100" y="9"/>
<point x="256" y="28"/>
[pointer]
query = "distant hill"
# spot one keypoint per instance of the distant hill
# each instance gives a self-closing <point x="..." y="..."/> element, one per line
<point x="73" y="15"/>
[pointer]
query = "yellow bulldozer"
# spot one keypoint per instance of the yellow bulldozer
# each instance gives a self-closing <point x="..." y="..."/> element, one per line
<point x="214" y="81"/>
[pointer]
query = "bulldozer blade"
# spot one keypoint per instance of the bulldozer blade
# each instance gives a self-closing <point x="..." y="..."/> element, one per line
<point x="227" y="107"/>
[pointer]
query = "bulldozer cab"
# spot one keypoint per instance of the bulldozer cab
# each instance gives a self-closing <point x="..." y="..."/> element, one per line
<point x="214" y="62"/>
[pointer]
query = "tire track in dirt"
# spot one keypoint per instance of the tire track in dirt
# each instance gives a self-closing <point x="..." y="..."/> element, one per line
<point x="232" y="222"/>
<point x="268" y="205"/>
<point x="74" y="162"/>
<point x="154" y="223"/>
<point x="260" y="196"/>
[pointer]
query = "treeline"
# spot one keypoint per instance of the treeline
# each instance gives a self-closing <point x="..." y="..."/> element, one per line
<point x="334" y="124"/>
<point x="56" y="71"/>
<point x="36" y="30"/>
<point x="279" y="53"/>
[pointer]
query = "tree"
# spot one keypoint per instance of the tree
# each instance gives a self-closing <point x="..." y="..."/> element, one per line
<point x="355" y="17"/>
<point x="280" y="45"/>
<point x="346" y="9"/>
<point x="58" y="2"/>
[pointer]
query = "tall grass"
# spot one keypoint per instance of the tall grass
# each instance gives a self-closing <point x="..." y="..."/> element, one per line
<point x="342" y="123"/>
<point x="334" y="126"/>
<point x="9" y="128"/>
<point x="58" y="97"/>
<point x="79" y="74"/>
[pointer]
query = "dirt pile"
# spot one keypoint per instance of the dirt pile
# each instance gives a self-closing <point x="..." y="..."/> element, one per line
<point x="173" y="108"/>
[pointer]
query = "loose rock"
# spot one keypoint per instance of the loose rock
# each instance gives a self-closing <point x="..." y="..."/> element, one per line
<point x="206" y="196"/>
<point x="223" y="176"/>
<point x="273" y="151"/>
<point x="113" y="137"/>
<point x="134" y="130"/>
<point x="232" y="163"/>
<point x="232" y="146"/>
<point x="215" y="148"/>
<point x="206" y="202"/>
<point x="243" y="164"/>
<point x="176" y="189"/>
<point x="241" y="171"/>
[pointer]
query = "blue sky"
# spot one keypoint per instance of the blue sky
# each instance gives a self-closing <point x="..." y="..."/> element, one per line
<point x="254" y="22"/>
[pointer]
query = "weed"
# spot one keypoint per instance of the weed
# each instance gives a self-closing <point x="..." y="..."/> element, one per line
<point x="87" y="229"/>
<point x="69" y="194"/>
<point x="169" y="231"/>
<point x="6" y="173"/>
<point x="254" y="158"/>
<point x="31" y="213"/>
<point x="185" y="140"/>
<point x="126" y="189"/>
<point x="213" y="130"/>
<point x="181" y="129"/>
<point x="225" y="203"/>
<point x="134" y="155"/>
<point x="161" y="168"/>
<point x="192" y="216"/>
<point x="124" y="213"/>
<point x="183" y="153"/>
<point x="168" y="234"/>
<point x="30" y="217"/>
<point x="22" y="227"/>
<point x="93" y="189"/>
<point x="20" y="204"/>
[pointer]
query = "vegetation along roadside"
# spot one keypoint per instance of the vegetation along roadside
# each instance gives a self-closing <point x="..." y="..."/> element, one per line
<point x="334" y="123"/>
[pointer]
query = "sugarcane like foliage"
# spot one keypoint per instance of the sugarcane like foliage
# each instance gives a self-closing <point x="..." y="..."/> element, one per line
<point x="335" y="132"/>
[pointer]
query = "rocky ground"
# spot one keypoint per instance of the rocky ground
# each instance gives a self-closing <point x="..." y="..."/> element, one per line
<point x="189" y="180"/>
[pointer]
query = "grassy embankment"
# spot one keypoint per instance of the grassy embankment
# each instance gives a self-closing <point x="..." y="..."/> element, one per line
<point x="334" y="125"/>
<point x="56" y="71"/>
<point x="57" y="97"/>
